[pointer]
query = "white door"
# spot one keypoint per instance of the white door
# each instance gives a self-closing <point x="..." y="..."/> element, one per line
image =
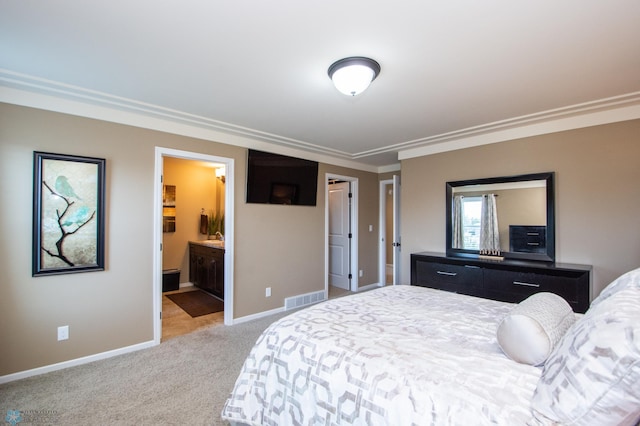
<point x="339" y="235"/>
<point x="396" y="230"/>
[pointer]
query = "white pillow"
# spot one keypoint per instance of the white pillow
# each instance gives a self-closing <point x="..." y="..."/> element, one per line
<point x="593" y="376"/>
<point x="626" y="281"/>
<point x="532" y="329"/>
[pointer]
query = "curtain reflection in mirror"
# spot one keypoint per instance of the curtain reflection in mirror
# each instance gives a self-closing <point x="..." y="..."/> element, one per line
<point x="489" y="234"/>
<point x="458" y="227"/>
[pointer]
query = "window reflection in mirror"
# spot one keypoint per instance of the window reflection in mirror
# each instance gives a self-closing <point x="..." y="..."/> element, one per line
<point x="471" y="213"/>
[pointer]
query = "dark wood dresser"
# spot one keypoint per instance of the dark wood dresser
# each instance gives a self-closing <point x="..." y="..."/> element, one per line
<point x="505" y="280"/>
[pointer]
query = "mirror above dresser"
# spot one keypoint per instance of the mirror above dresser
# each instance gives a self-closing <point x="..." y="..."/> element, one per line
<point x="519" y="213"/>
<point x="524" y="210"/>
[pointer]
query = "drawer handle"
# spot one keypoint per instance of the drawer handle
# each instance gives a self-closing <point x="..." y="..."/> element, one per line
<point x="533" y="233"/>
<point x="533" y="244"/>
<point x="526" y="284"/>
<point x="450" y="274"/>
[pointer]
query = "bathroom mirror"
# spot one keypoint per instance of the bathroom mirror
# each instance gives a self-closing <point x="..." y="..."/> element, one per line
<point x="525" y="211"/>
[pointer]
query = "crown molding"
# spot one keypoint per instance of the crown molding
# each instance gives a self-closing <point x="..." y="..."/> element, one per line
<point x="34" y="92"/>
<point x="605" y="111"/>
<point x="26" y="90"/>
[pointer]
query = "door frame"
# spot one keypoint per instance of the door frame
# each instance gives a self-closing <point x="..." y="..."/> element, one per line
<point x="161" y="152"/>
<point x="397" y="234"/>
<point x="353" y="218"/>
<point x="382" y="254"/>
<point x="345" y="217"/>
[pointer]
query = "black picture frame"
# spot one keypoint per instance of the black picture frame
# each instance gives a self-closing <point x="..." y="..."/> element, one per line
<point x="68" y="214"/>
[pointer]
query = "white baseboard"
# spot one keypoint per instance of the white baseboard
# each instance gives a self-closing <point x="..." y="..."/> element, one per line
<point x="74" y="362"/>
<point x="369" y="287"/>
<point x="257" y="316"/>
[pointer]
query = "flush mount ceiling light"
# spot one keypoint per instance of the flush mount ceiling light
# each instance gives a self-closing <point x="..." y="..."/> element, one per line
<point x="353" y="75"/>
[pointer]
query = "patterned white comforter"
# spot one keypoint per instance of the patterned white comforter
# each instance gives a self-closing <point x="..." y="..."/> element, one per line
<point x="400" y="355"/>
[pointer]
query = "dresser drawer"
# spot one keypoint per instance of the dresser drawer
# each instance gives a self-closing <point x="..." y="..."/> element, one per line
<point x="443" y="276"/>
<point x="511" y="286"/>
<point x="527" y="239"/>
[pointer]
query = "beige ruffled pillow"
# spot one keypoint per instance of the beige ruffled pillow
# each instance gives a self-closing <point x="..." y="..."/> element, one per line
<point x="530" y="332"/>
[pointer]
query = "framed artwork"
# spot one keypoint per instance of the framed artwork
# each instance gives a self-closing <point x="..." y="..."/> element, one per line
<point x="169" y="208"/>
<point x="68" y="214"/>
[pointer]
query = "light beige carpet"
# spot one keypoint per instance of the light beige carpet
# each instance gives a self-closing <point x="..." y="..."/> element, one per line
<point x="184" y="381"/>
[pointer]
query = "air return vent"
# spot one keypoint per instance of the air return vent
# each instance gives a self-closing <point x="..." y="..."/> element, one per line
<point x="303" y="300"/>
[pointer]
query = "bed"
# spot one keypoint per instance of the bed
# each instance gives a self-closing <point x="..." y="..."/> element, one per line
<point x="406" y="355"/>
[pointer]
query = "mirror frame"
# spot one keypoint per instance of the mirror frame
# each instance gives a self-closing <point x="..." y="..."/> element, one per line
<point x="548" y="177"/>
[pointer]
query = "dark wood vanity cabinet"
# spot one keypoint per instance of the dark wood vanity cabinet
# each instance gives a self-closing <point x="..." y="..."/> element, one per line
<point x="506" y="280"/>
<point x="206" y="268"/>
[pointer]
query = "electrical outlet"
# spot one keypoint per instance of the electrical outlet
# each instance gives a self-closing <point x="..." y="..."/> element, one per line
<point x="360" y="273"/>
<point x="63" y="332"/>
<point x="267" y="292"/>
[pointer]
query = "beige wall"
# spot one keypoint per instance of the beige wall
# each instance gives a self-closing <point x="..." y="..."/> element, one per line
<point x="597" y="202"/>
<point x="277" y="246"/>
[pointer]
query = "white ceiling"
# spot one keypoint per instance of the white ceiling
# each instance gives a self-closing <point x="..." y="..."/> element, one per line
<point x="452" y="71"/>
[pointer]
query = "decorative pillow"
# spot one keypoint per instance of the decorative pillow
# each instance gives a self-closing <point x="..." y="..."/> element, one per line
<point x="593" y="376"/>
<point x="628" y="280"/>
<point x="533" y="328"/>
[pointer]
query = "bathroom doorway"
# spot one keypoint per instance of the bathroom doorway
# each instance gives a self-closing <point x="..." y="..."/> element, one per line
<point x="191" y="213"/>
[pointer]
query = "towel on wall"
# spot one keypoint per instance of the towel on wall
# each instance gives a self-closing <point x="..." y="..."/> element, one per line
<point x="204" y="222"/>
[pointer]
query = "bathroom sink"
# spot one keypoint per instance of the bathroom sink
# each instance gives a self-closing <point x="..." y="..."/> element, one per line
<point x="212" y="243"/>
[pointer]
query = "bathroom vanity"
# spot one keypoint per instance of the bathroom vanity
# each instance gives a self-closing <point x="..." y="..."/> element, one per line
<point x="206" y="266"/>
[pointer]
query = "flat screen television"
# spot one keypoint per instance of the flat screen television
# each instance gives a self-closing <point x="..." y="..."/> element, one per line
<point x="279" y="179"/>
